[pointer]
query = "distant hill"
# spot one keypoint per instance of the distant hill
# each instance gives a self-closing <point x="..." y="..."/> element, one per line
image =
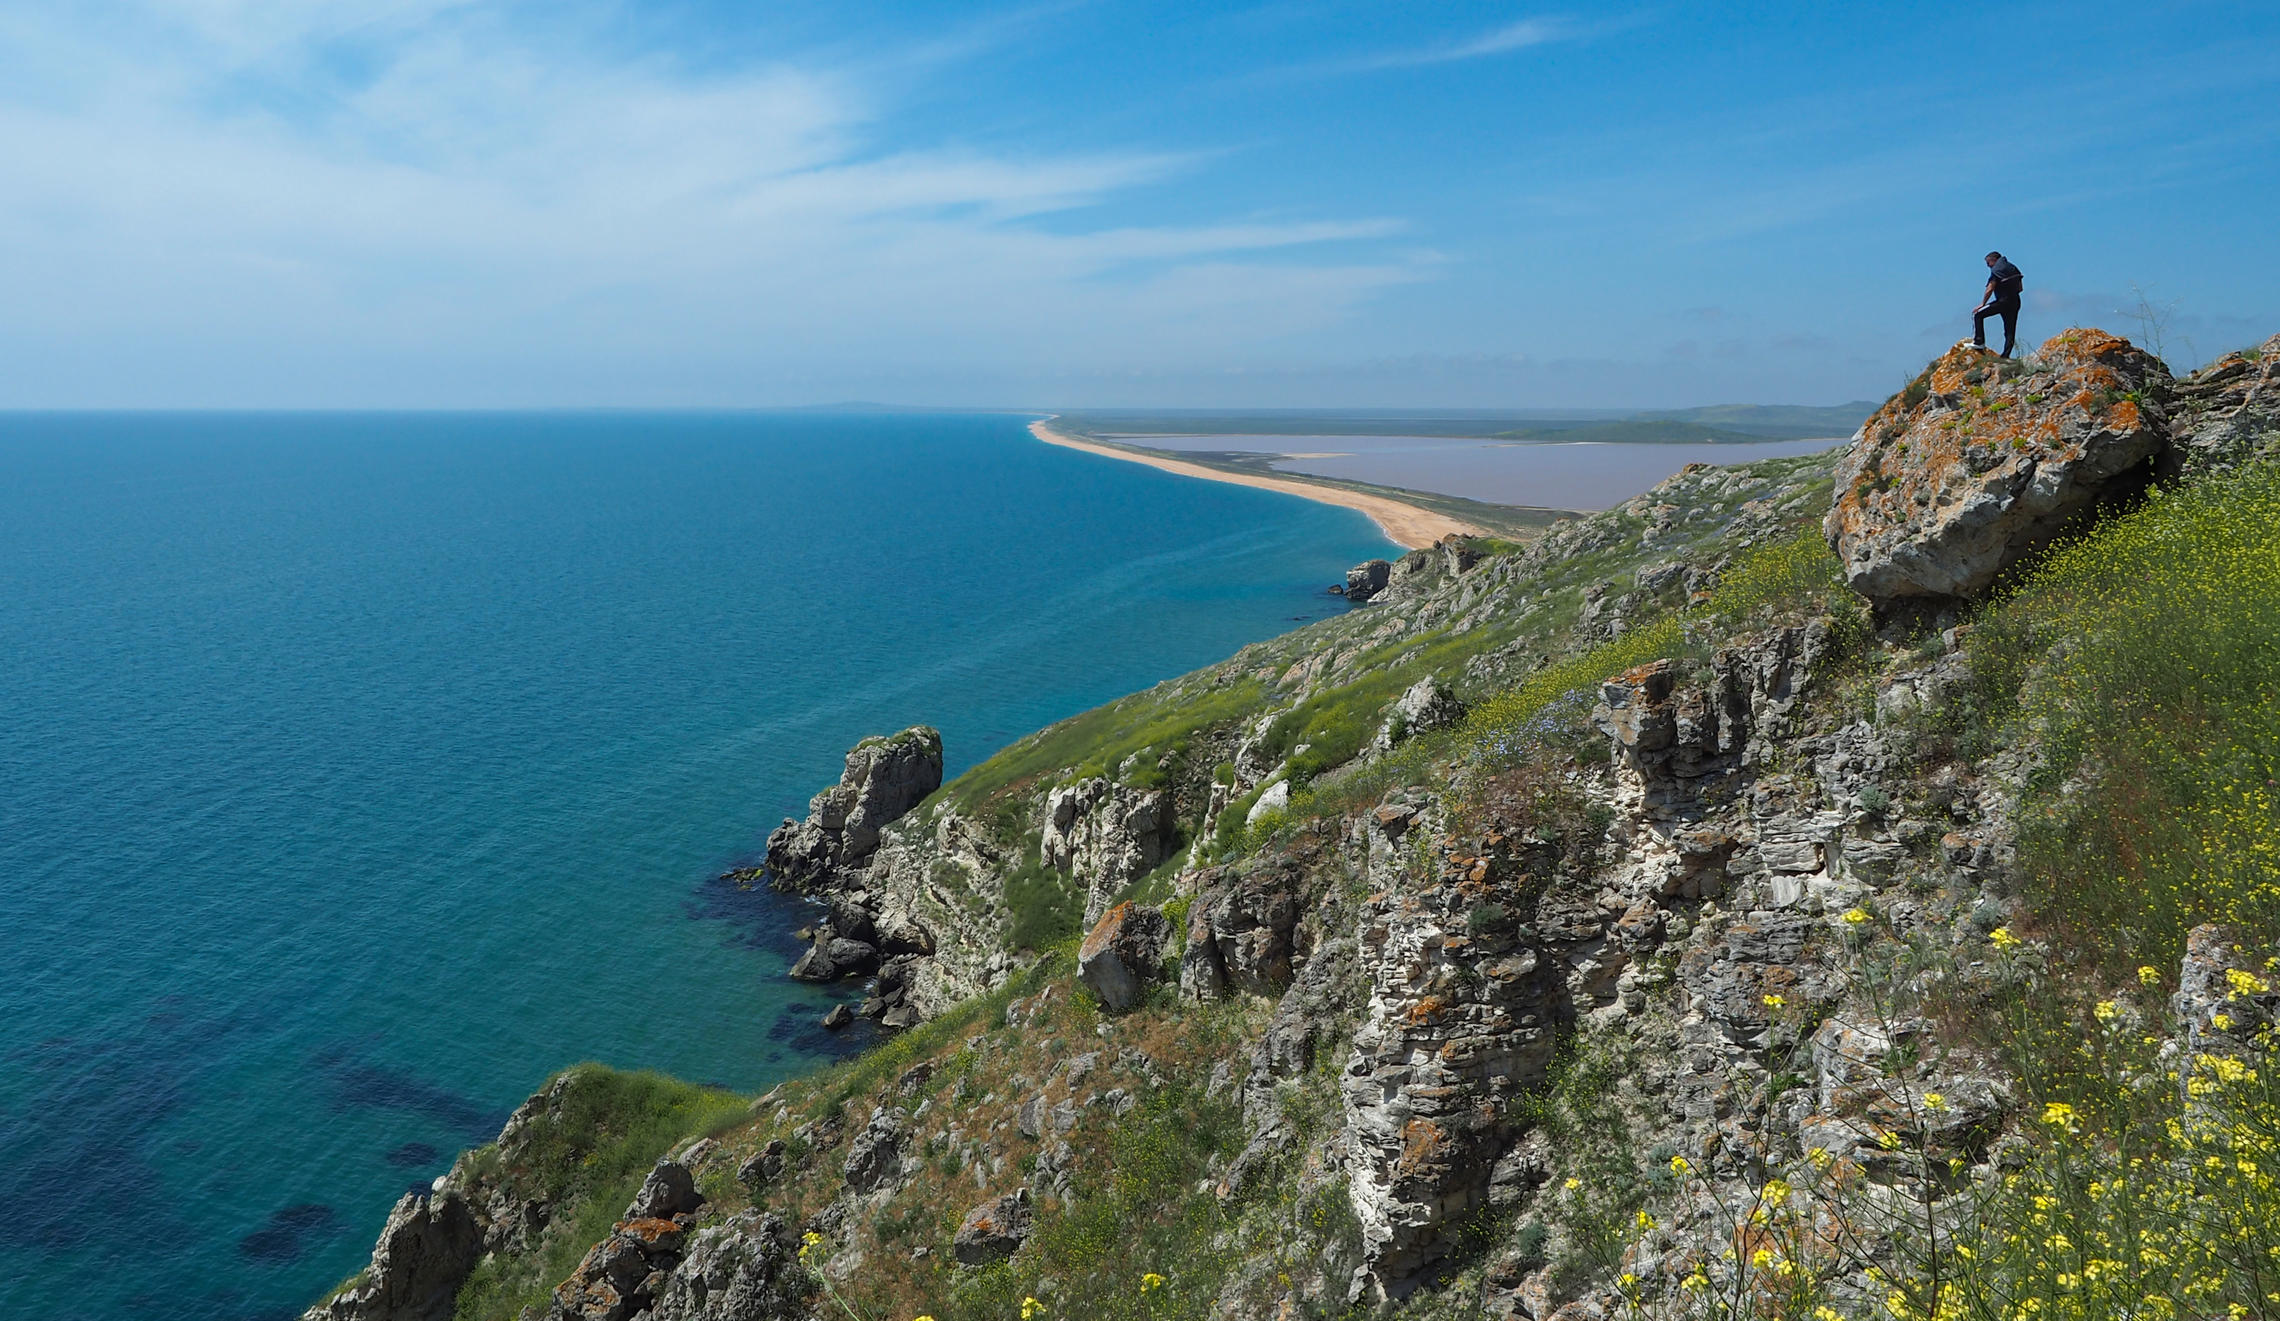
<point x="1636" y="432"/>
<point x="1787" y="421"/>
<point x="1718" y="423"/>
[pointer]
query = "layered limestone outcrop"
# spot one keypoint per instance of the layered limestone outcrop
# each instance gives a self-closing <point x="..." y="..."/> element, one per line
<point x="1983" y="461"/>
<point x="1105" y="836"/>
<point x="884" y="779"/>
<point x="2227" y="413"/>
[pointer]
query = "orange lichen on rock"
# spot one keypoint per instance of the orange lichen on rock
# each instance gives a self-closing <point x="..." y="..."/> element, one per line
<point x="1982" y="459"/>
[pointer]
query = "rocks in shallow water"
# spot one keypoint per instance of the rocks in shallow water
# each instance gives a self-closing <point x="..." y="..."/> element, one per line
<point x="993" y="1231"/>
<point x="1367" y="579"/>
<point x="426" y="1250"/>
<point x="1122" y="954"/>
<point x="837" y="1017"/>
<point x="834" y="956"/>
<point x="884" y="779"/>
<point x="1980" y="462"/>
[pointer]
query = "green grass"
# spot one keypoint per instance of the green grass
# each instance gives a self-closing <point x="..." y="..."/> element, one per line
<point x="587" y="1158"/>
<point x="1103" y="737"/>
<point x="2158" y="809"/>
<point x="1045" y="906"/>
<point x="1139" y="1214"/>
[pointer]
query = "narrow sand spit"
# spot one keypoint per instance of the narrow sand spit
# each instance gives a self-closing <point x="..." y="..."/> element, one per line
<point x="1405" y="525"/>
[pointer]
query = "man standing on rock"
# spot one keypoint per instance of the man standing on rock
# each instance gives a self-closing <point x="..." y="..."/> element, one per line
<point x="2001" y="299"/>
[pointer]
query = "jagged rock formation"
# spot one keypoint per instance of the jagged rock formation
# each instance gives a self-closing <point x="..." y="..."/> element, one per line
<point x="1367" y="579"/>
<point x="1243" y="932"/>
<point x="1425" y="706"/>
<point x="2227" y="413"/>
<point x="884" y="779"/>
<point x="1106" y="836"/>
<point x="426" y="1250"/>
<point x="1947" y="486"/>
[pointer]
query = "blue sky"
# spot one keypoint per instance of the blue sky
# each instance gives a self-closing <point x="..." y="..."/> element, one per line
<point x="418" y="203"/>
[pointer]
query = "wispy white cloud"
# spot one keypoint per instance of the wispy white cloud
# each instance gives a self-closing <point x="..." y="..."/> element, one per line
<point x="1515" y="36"/>
<point x="278" y="186"/>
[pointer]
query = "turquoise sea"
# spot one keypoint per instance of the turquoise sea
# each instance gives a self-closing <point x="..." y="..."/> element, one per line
<point x="357" y="771"/>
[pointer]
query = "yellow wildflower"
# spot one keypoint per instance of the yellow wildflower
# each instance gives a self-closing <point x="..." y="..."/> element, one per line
<point x="2002" y="938"/>
<point x="1646" y="1221"/>
<point x="1151" y="1282"/>
<point x="1679" y="1167"/>
<point x="1031" y="1309"/>
<point x="1935" y="1101"/>
<point x="2061" y="1115"/>
<point x="1571" y="1185"/>
<point x="1775" y="1001"/>
<point x="2148" y="975"/>
<point x="2106" y="1010"/>
<point x="2222" y="1022"/>
<point x="1854" y="917"/>
<point x="1888" y="1140"/>
<point x="2245" y="983"/>
<point x="1820" y="1157"/>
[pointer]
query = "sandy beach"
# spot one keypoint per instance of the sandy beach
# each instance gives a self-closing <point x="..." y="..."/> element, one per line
<point x="1405" y="525"/>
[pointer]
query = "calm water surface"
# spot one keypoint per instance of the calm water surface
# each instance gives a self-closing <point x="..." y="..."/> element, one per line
<point x="356" y="772"/>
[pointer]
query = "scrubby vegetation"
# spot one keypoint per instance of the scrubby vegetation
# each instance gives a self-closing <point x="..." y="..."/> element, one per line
<point x="586" y="1157"/>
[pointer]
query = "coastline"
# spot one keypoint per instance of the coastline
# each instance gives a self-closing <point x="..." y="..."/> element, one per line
<point x="1405" y="525"/>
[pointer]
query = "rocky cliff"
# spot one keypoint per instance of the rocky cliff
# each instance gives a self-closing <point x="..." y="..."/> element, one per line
<point x="1675" y="916"/>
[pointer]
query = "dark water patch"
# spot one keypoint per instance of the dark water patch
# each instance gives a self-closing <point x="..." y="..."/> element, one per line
<point x="800" y="1027"/>
<point x="356" y="1084"/>
<point x="412" y="1155"/>
<point x="289" y="1233"/>
<point x="758" y="916"/>
<point x="80" y="1155"/>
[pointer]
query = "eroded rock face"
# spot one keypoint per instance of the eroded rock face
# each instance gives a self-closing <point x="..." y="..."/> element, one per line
<point x="1982" y="462"/>
<point x="1367" y="579"/>
<point x="425" y="1253"/>
<point x="2227" y="413"/>
<point x="884" y="779"/>
<point x="1463" y="1010"/>
<point x="1122" y="954"/>
<point x="2227" y="999"/>
<point x="1425" y="706"/>
<point x="1242" y="931"/>
<point x="1106" y="836"/>
<point x="993" y="1231"/>
<point x="874" y="1158"/>
<point x="744" y="1269"/>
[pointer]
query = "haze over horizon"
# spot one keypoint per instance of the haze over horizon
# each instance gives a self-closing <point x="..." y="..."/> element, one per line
<point x="422" y="203"/>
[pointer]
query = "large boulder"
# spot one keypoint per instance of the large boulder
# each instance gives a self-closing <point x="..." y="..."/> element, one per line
<point x="993" y="1231"/>
<point x="2227" y="413"/>
<point x="670" y="1190"/>
<point x="1981" y="461"/>
<point x="884" y="778"/>
<point x="1122" y="954"/>
<point x="1106" y="836"/>
<point x="425" y="1253"/>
